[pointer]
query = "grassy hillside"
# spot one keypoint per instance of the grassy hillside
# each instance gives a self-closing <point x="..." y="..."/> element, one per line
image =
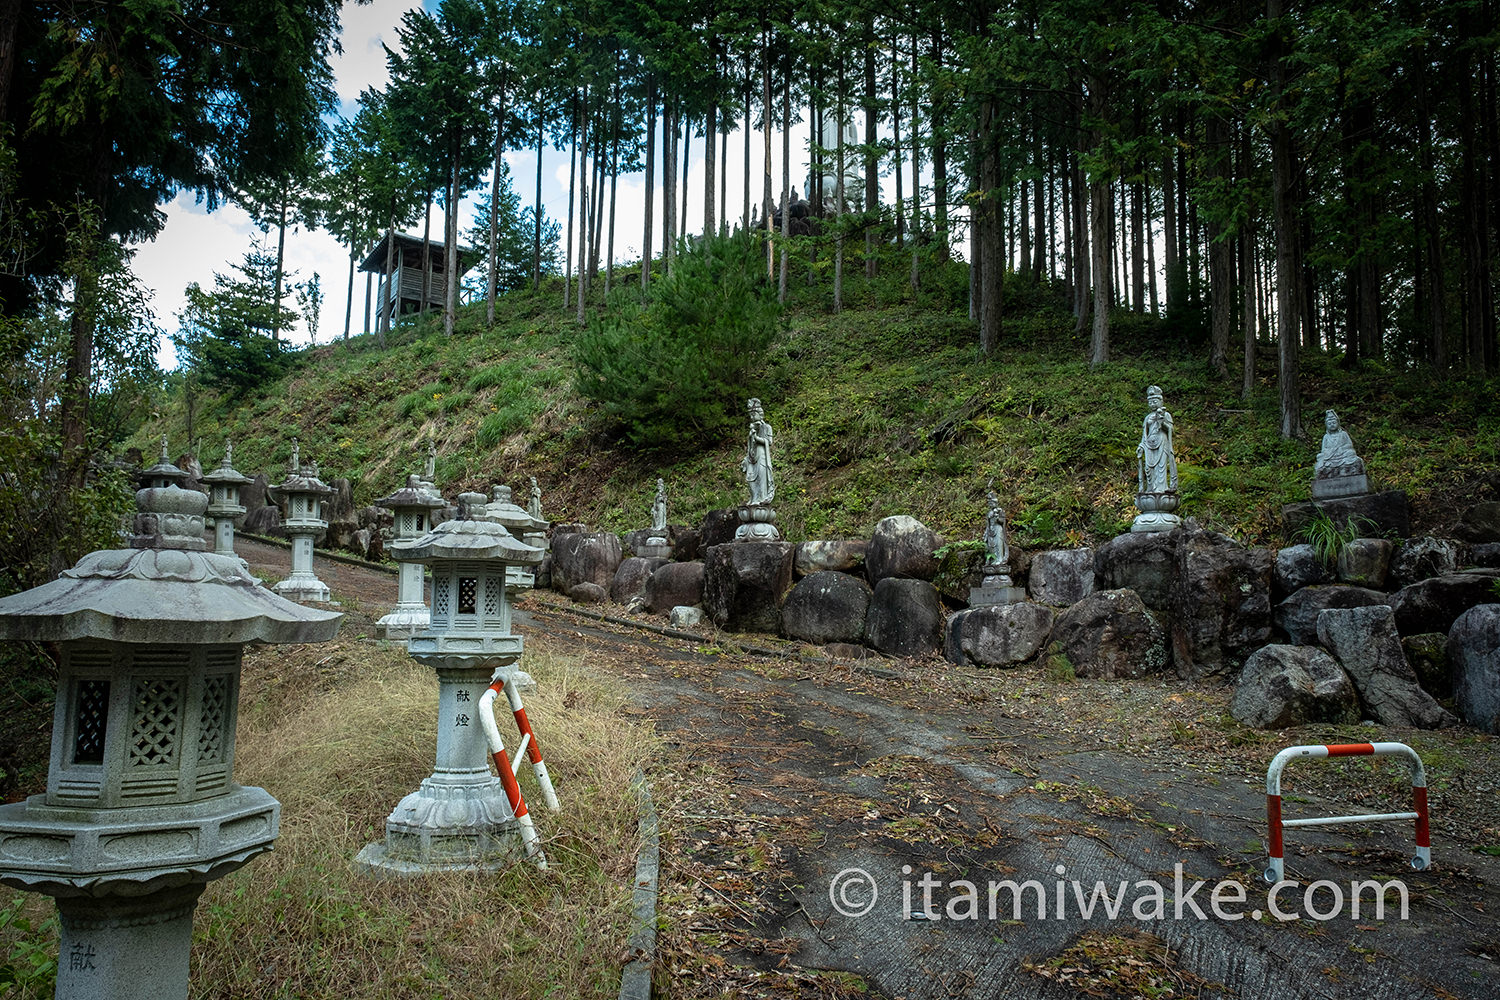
<point x="885" y="408"/>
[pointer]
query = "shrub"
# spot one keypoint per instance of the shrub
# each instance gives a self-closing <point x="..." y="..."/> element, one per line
<point x="675" y="366"/>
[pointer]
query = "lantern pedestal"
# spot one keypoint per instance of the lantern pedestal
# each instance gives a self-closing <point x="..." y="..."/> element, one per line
<point x="459" y="817"/>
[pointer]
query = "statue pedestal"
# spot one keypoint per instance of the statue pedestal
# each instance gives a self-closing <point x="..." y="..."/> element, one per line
<point x="757" y="524"/>
<point x="1156" y="512"/>
<point x="655" y="547"/>
<point x="996" y="588"/>
<point x="1333" y="487"/>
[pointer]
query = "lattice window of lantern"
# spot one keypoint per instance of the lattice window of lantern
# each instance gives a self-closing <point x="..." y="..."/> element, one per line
<point x="492" y="585"/>
<point x="211" y="729"/>
<point x="158" y="719"/>
<point x="441" y="600"/>
<point x="467" y="586"/>
<point x="91" y="721"/>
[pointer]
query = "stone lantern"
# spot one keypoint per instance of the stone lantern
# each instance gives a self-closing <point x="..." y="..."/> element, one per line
<point x="224" y="500"/>
<point x="462" y="816"/>
<point x="163" y="473"/>
<point x="304" y="493"/>
<point x="413" y="506"/>
<point x="141" y="809"/>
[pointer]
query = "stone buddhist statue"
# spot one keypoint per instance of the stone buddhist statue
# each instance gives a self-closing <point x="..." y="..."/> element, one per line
<point x="757" y="461"/>
<point x="1338" y="471"/>
<point x="534" y="505"/>
<point x="659" y="509"/>
<point x="1156" y="462"/>
<point x="996" y="545"/>
<point x="1156" y="469"/>
<point x="996" y="586"/>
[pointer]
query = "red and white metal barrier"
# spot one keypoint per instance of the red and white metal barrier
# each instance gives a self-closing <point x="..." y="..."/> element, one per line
<point x="1423" y="857"/>
<point x="507" y="770"/>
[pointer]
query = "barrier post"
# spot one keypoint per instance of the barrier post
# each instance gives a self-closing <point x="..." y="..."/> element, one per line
<point x="1276" y="867"/>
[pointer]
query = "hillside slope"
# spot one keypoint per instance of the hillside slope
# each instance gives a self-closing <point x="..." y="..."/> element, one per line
<point x="882" y="409"/>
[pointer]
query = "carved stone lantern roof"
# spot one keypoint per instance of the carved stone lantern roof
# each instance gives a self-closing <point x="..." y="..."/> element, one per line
<point x="164" y="588"/>
<point x="501" y="508"/>
<point x="413" y="494"/>
<point x="226" y="474"/>
<point x="488" y="539"/>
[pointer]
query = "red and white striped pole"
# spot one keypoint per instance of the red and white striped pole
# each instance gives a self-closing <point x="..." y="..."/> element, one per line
<point x="1423" y="858"/>
<point x="533" y="749"/>
<point x="508" y="774"/>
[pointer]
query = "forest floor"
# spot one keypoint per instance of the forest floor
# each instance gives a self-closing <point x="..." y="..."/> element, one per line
<point x="794" y="782"/>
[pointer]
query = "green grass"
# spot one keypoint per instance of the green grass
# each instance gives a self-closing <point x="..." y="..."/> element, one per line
<point x="885" y="408"/>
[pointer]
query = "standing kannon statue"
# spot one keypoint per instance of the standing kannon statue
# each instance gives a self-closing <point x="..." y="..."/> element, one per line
<point x="1156" y="469"/>
<point x="757" y="461"/>
<point x="758" y="517"/>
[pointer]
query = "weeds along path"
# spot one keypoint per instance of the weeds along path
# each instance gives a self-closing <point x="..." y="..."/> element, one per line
<point x="836" y="832"/>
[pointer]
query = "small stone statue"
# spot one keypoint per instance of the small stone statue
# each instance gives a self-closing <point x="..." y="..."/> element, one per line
<point x="757" y="461"/>
<point x="295" y="463"/>
<point x="996" y="586"/>
<point x="659" y="509"/>
<point x="996" y="545"/>
<point x="228" y="453"/>
<point x="1156" y="462"/>
<point x="1337" y="457"/>
<point x="429" y="468"/>
<point x="534" y="505"/>
<point x="1338" y="471"/>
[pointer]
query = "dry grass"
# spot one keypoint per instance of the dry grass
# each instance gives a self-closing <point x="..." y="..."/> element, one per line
<point x="339" y="733"/>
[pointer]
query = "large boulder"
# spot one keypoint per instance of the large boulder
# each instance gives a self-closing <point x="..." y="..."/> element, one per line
<point x="1145" y="563"/>
<point x="718" y="528"/>
<point x="585" y="557"/>
<point x="631" y="576"/>
<point x="1428" y="656"/>
<point x="1111" y="633"/>
<point x="1420" y="558"/>
<point x="340" y="504"/>
<point x="685" y="546"/>
<point x="840" y="556"/>
<point x="1284" y="686"/>
<point x="1220" y="608"/>
<point x="1365" y="562"/>
<point x="1433" y="605"/>
<point x="1480" y="523"/>
<point x="905" y="617"/>
<point x="588" y="593"/>
<point x="1486" y="554"/>
<point x="825" y="607"/>
<point x="902" y="546"/>
<point x="1001" y="635"/>
<point x="264" y="521"/>
<point x="1389" y="512"/>
<point x="1474" y="652"/>
<point x="677" y="583"/>
<point x="253" y="493"/>
<point x="1365" y="643"/>
<point x="744" y="582"/>
<point x="1062" y="576"/>
<point x="1298" y="566"/>
<point x="1297" y="616"/>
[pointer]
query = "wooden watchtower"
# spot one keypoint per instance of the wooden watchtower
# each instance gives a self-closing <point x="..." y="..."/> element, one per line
<point x="399" y="296"/>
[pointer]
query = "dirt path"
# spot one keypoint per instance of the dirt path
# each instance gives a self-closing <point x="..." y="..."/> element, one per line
<point x="804" y="778"/>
